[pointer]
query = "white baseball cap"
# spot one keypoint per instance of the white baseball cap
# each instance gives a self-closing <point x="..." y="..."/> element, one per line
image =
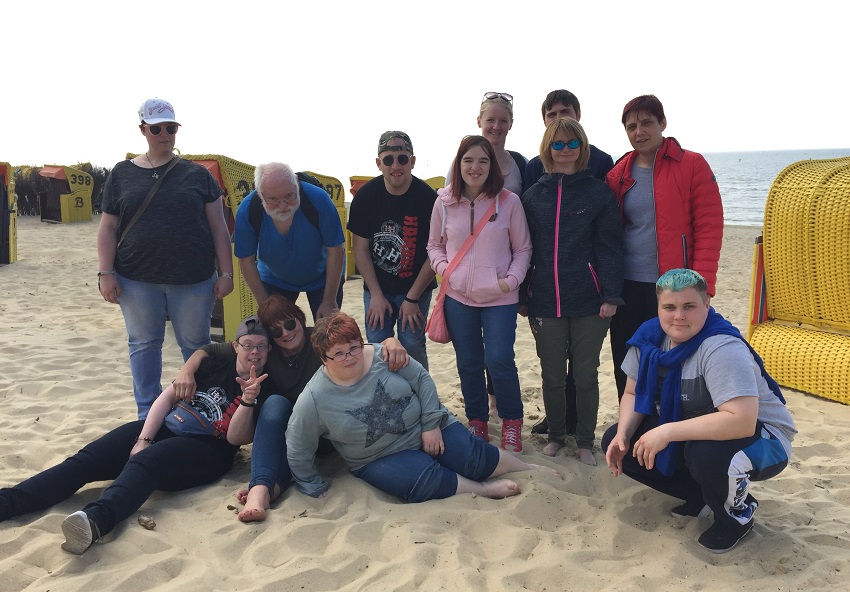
<point x="156" y="111"/>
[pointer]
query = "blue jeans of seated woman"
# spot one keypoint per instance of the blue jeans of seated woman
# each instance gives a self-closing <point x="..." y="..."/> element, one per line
<point x="268" y="454"/>
<point x="145" y="307"/>
<point x="484" y="336"/>
<point x="416" y="476"/>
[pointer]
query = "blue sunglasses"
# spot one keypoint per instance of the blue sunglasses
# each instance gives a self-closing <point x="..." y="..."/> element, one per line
<point x="571" y="144"/>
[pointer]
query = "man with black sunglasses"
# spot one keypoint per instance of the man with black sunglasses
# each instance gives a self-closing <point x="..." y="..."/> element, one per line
<point x="390" y="219"/>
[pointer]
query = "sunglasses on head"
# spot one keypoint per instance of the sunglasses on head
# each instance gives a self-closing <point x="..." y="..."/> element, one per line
<point x="171" y="128"/>
<point x="489" y="96"/>
<point x="288" y="324"/>
<point x="403" y="159"/>
<point x="571" y="144"/>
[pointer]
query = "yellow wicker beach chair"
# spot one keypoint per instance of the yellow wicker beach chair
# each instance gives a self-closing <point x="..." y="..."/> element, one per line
<point x="801" y="320"/>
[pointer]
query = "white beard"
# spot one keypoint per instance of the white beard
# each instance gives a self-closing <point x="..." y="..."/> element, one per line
<point x="282" y="217"/>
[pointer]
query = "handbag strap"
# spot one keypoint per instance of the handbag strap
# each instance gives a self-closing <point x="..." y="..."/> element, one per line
<point x="143" y="207"/>
<point x="471" y="238"/>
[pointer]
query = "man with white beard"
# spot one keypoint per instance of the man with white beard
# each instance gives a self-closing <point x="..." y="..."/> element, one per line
<point x="296" y="247"/>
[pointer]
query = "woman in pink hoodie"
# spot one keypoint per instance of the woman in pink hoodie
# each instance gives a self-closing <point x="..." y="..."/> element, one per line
<point x="483" y="291"/>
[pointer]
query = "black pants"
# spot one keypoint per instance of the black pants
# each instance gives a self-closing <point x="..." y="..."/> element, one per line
<point x="173" y="463"/>
<point x="717" y="473"/>
<point x="641" y="305"/>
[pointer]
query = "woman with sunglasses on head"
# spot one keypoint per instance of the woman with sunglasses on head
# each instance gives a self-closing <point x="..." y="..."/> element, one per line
<point x="575" y="279"/>
<point x="291" y="364"/>
<point x="390" y="427"/>
<point x="159" y="453"/>
<point x="483" y="291"/>
<point x="158" y="249"/>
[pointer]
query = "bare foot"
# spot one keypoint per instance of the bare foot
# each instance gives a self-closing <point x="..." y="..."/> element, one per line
<point x="586" y="456"/>
<point x="545" y="469"/>
<point x="552" y="448"/>
<point x="494" y="411"/>
<point x="499" y="488"/>
<point x="256" y="504"/>
<point x="242" y="495"/>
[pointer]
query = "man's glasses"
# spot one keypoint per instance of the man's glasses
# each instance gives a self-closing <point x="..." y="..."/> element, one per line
<point x="288" y="324"/>
<point x="292" y="198"/>
<point x="170" y="128"/>
<point x="388" y="160"/>
<point x="352" y="353"/>
<point x="571" y="144"/>
<point x="497" y="95"/>
<point x="249" y="347"/>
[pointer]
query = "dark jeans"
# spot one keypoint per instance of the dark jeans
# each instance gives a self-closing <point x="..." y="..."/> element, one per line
<point x="715" y="472"/>
<point x="641" y="305"/>
<point x="314" y="297"/>
<point x="173" y="463"/>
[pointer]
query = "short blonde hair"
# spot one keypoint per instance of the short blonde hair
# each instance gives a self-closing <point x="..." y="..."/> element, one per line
<point x="572" y="129"/>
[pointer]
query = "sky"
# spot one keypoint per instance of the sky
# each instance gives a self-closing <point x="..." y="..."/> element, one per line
<point x="314" y="84"/>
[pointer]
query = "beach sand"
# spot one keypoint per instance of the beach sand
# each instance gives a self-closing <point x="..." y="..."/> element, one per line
<point x="64" y="380"/>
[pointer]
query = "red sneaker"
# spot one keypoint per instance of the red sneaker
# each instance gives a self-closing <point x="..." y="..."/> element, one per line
<point x="512" y="435"/>
<point x="478" y="428"/>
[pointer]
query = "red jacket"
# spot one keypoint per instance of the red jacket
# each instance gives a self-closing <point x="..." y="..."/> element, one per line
<point x="688" y="209"/>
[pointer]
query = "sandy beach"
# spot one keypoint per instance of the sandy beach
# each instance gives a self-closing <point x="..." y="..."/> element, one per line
<point x="65" y="380"/>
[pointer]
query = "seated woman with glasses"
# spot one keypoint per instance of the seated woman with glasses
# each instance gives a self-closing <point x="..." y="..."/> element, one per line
<point x="575" y="281"/>
<point x="390" y="427"/>
<point x="156" y="453"/>
<point x="292" y="362"/>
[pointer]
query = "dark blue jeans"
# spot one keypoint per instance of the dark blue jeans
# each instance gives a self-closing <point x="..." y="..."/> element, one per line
<point x="484" y="336"/>
<point x="416" y="476"/>
<point x="314" y="297"/>
<point x="269" y="465"/>
<point x="173" y="463"/>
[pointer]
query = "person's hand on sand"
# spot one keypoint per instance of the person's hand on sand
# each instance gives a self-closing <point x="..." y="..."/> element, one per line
<point x="109" y="287"/>
<point x="432" y="442"/>
<point x="616" y="451"/>
<point x="650" y="444"/>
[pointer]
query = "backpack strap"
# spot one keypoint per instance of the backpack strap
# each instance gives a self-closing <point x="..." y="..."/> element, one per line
<point x="255" y="210"/>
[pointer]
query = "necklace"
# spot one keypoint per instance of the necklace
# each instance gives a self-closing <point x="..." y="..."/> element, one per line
<point x="155" y="174"/>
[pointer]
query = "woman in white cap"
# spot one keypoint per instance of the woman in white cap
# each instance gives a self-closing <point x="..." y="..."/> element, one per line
<point x="162" y="250"/>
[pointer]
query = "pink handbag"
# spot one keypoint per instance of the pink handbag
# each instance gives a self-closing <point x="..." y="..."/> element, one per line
<point x="437" y="329"/>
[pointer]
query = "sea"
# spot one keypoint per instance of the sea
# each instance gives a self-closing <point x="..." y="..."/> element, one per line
<point x="745" y="178"/>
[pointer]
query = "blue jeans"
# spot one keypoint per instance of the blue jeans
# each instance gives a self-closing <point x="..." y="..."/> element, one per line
<point x="314" y="297"/>
<point x="145" y="307"/>
<point x="268" y="454"/>
<point x="484" y="336"/>
<point x="412" y="341"/>
<point x="416" y="476"/>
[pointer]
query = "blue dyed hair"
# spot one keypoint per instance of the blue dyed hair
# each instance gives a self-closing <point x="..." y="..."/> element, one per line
<point x="677" y="280"/>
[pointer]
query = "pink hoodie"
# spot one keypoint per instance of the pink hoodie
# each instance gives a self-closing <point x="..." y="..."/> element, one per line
<point x="501" y="251"/>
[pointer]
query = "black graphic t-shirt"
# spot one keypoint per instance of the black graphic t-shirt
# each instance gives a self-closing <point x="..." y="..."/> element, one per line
<point x="397" y="227"/>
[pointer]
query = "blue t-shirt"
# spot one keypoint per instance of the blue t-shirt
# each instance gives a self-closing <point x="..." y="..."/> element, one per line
<point x="297" y="261"/>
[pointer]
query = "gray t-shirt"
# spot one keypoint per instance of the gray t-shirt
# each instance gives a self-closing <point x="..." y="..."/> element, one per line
<point x="383" y="413"/>
<point x="640" y="245"/>
<point x="720" y="370"/>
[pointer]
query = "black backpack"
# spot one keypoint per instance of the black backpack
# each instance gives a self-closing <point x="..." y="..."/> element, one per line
<point x="255" y="210"/>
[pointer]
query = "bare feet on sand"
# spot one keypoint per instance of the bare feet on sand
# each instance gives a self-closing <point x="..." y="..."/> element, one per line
<point x="586" y="456"/>
<point x="256" y="502"/>
<point x="544" y="469"/>
<point x="499" y="488"/>
<point x="552" y="448"/>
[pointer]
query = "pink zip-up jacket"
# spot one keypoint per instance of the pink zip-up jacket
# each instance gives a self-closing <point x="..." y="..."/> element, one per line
<point x="501" y="251"/>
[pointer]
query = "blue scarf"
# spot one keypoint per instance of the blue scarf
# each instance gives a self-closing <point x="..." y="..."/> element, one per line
<point x="649" y="339"/>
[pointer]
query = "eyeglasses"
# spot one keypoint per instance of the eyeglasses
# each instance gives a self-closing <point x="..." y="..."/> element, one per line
<point x="571" y="144"/>
<point x="288" y="324"/>
<point x="388" y="160"/>
<point x="291" y="198"/>
<point x="170" y="128"/>
<point x="489" y="96"/>
<point x="249" y="347"/>
<point x="352" y="353"/>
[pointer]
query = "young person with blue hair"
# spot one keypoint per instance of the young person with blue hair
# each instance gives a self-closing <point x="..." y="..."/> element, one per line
<point x="700" y="417"/>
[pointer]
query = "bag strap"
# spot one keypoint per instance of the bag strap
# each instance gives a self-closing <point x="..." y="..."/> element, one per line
<point x="143" y="207"/>
<point x="471" y="238"/>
